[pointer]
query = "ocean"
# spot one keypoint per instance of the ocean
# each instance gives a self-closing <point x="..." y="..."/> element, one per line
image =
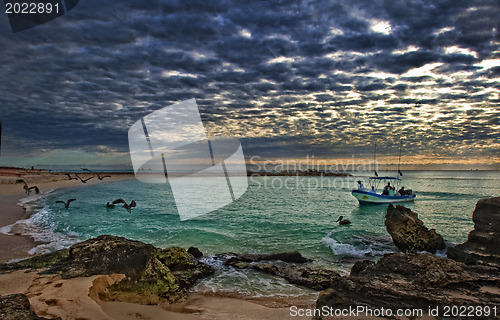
<point x="276" y="214"/>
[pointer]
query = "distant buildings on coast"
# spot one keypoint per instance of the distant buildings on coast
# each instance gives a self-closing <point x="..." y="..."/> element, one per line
<point x="308" y="172"/>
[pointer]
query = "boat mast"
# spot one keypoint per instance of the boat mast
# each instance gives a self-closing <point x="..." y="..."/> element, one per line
<point x="399" y="160"/>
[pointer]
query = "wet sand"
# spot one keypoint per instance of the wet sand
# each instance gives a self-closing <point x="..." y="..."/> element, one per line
<point x="16" y="246"/>
<point x="12" y="246"/>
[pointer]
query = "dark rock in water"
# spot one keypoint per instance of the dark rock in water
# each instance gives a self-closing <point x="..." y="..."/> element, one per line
<point x="360" y="266"/>
<point x="409" y="233"/>
<point x="237" y="264"/>
<point x="482" y="245"/>
<point x="17" y="307"/>
<point x="294" y="257"/>
<point x="241" y="261"/>
<point x="412" y="280"/>
<point x="316" y="279"/>
<point x="195" y="252"/>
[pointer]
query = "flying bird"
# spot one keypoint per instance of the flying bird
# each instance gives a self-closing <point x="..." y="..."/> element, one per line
<point x="70" y="177"/>
<point x="341" y="221"/>
<point x="66" y="204"/>
<point x="125" y="205"/>
<point x="109" y="205"/>
<point x="82" y="180"/>
<point x="102" y="177"/>
<point x="28" y="189"/>
<point x="37" y="191"/>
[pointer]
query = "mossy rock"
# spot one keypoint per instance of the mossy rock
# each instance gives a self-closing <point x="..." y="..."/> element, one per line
<point x="39" y="262"/>
<point x="176" y="258"/>
<point x="156" y="283"/>
<point x="185" y="267"/>
<point x="152" y="275"/>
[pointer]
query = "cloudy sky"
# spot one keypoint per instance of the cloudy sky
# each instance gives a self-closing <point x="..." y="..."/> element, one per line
<point x="287" y="78"/>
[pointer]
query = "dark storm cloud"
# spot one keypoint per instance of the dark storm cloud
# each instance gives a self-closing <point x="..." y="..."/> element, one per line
<point x="277" y="74"/>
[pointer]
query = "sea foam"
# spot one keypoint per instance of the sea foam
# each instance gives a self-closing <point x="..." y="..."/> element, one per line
<point x="39" y="227"/>
<point x="360" y="251"/>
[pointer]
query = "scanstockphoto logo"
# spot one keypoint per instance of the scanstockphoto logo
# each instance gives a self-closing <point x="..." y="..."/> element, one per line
<point x="170" y="145"/>
<point x="27" y="14"/>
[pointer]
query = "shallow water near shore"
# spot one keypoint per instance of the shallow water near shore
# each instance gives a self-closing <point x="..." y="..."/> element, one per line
<point x="276" y="214"/>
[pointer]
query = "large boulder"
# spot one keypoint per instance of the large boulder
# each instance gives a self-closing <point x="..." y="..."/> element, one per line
<point x="109" y="254"/>
<point x="482" y="245"/>
<point x="409" y="233"/>
<point x="151" y="274"/>
<point x="18" y="307"/>
<point x="412" y="281"/>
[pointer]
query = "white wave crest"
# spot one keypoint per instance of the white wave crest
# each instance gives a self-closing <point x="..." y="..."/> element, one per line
<point x="347" y="249"/>
<point x="42" y="232"/>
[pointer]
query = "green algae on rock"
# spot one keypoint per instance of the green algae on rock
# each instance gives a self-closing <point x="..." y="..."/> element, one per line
<point x="152" y="275"/>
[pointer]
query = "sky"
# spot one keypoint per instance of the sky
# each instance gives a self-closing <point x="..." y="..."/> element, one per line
<point x="289" y="79"/>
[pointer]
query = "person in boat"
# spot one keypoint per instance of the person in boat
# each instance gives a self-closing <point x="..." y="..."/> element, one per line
<point x="373" y="190"/>
<point x="391" y="191"/>
<point x="360" y="185"/>
<point x="385" y="192"/>
<point x="402" y="191"/>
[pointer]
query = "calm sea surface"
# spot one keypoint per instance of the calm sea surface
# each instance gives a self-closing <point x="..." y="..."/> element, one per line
<point x="275" y="214"/>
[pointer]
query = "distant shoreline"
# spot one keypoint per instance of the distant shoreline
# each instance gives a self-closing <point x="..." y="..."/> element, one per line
<point x="4" y="169"/>
<point x="308" y="173"/>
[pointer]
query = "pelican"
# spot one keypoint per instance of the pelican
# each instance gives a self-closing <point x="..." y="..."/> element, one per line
<point x="82" y="180"/>
<point x="66" y="204"/>
<point x="102" y="177"/>
<point x="341" y="221"/>
<point x="28" y="189"/>
<point x="109" y="205"/>
<point x="70" y="177"/>
<point x="125" y="205"/>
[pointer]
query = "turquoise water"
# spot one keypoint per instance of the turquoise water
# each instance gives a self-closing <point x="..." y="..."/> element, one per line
<point x="275" y="214"/>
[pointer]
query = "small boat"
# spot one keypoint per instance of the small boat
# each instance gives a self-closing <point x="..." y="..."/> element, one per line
<point x="365" y="196"/>
<point x="370" y="195"/>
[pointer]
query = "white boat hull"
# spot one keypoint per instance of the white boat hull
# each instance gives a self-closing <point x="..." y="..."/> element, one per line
<point x="368" y="197"/>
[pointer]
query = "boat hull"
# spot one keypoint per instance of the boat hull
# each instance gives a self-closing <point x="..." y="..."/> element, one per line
<point x="365" y="197"/>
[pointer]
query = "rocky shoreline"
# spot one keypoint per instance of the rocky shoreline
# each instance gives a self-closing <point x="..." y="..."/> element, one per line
<point x="468" y="277"/>
<point x="148" y="275"/>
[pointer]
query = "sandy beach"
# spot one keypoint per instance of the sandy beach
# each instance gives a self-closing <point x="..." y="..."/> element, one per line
<point x="78" y="298"/>
<point x="51" y="296"/>
<point x="15" y="246"/>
